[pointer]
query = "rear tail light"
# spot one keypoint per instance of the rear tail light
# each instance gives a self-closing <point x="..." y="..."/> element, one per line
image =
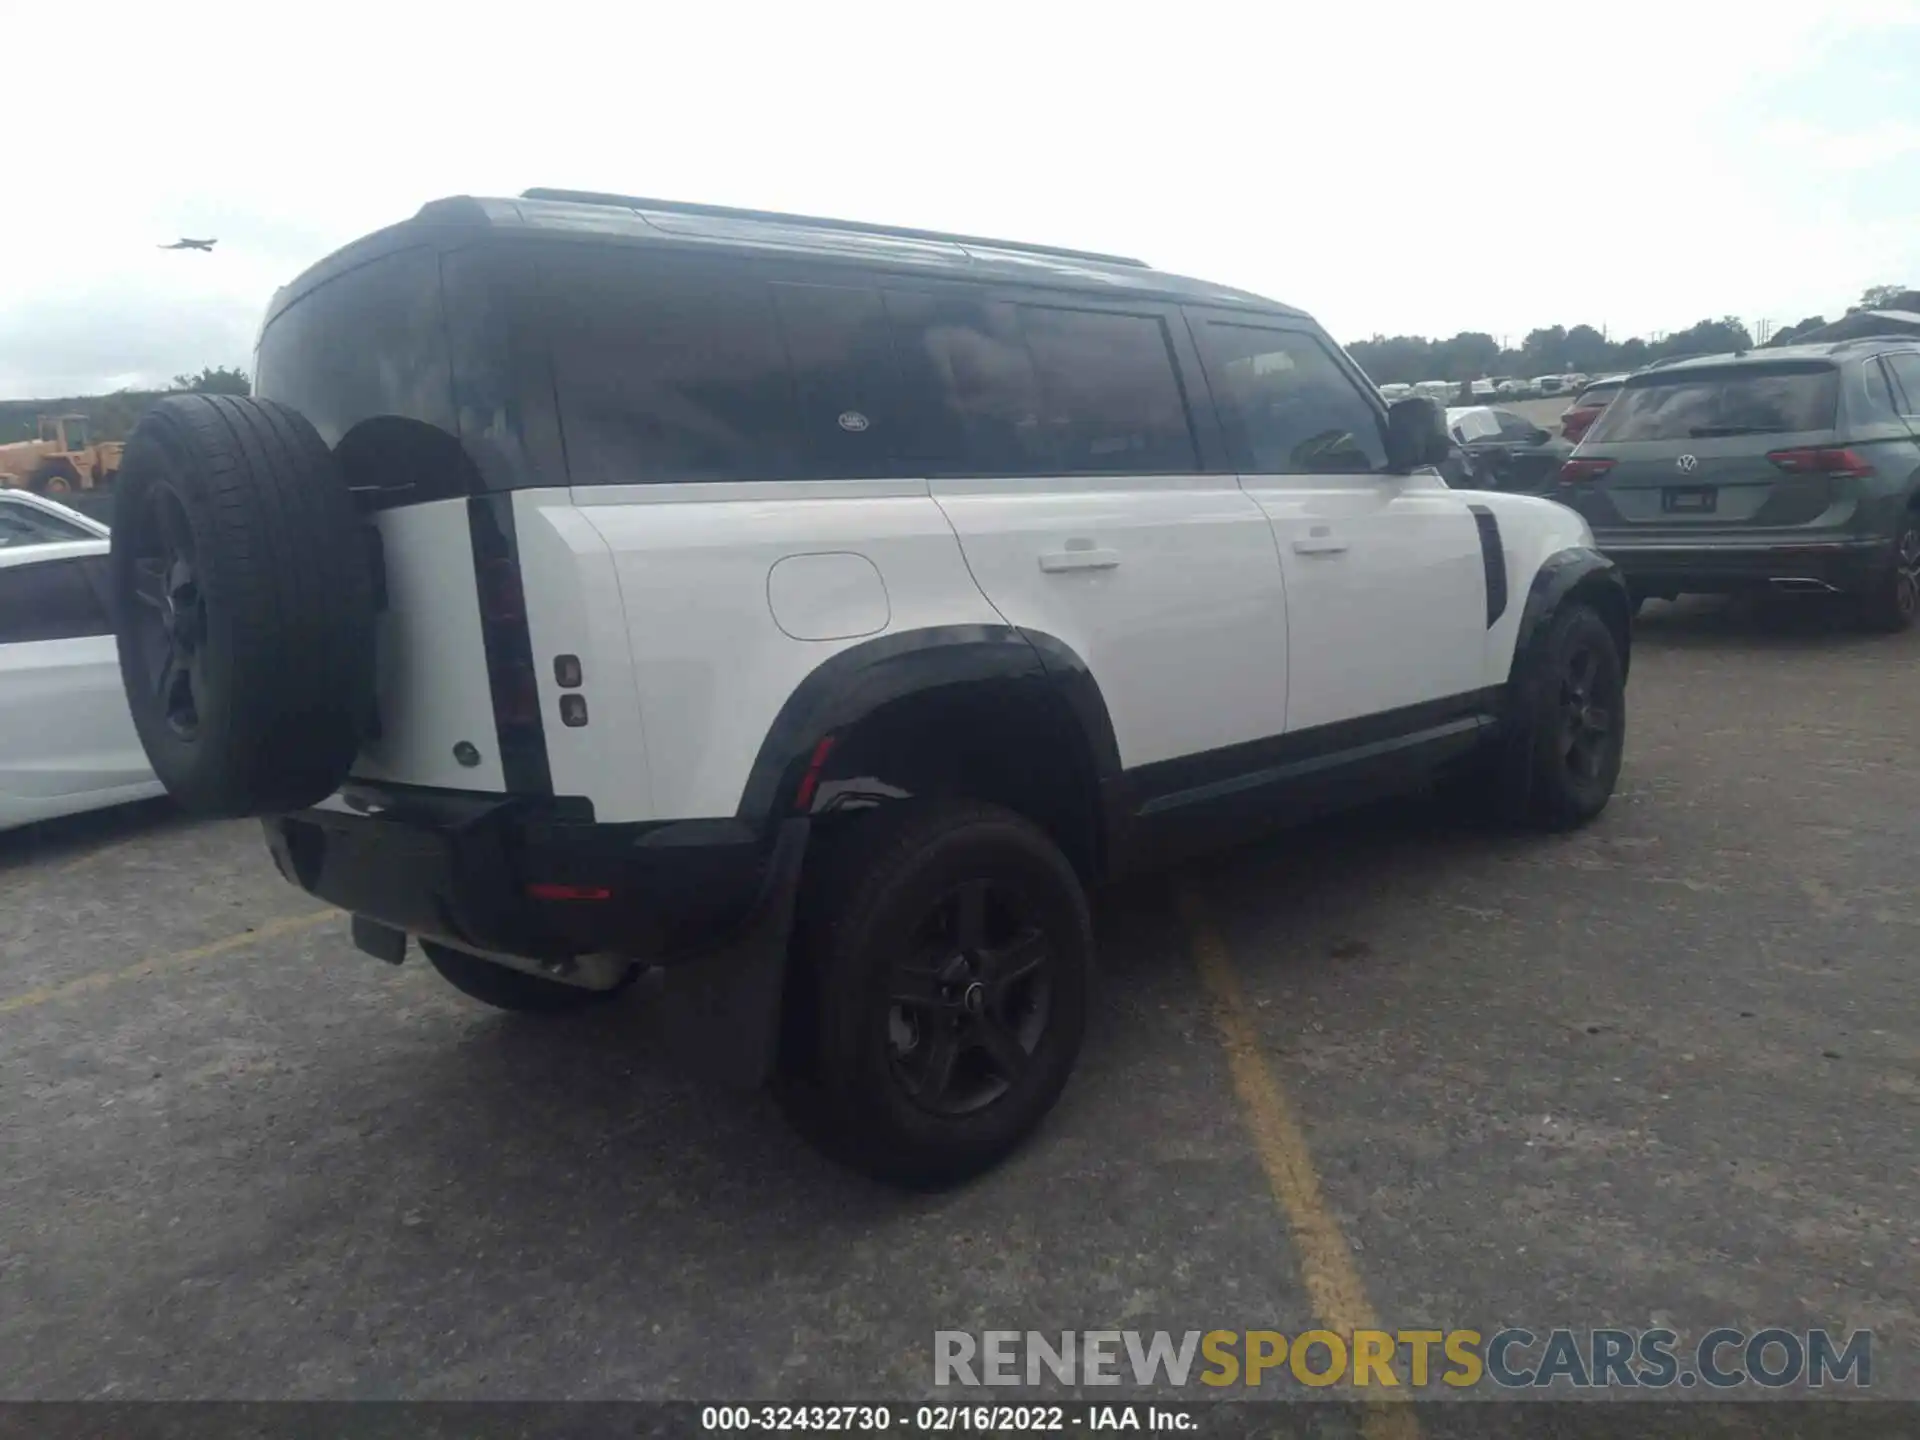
<point x="1835" y="460"/>
<point x="1578" y="471"/>
<point x="516" y="695"/>
<point x="810" y="780"/>
<point x="501" y="600"/>
<point x="545" y="890"/>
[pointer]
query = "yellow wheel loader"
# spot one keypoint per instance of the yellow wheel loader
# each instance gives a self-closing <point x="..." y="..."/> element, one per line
<point x="62" y="460"/>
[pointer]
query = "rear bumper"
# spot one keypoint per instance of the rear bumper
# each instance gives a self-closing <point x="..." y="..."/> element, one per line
<point x="477" y="871"/>
<point x="1692" y="564"/>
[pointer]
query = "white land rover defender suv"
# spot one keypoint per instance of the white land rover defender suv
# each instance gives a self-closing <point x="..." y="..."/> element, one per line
<point x="811" y="612"/>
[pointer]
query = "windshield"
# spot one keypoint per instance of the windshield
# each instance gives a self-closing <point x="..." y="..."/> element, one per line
<point x="1744" y="400"/>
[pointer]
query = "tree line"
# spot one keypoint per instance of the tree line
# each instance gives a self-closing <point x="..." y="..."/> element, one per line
<point x="1559" y="350"/>
<point x="112" y="417"/>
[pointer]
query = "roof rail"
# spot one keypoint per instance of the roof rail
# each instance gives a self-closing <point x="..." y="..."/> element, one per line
<point x="728" y="212"/>
<point x="1872" y="337"/>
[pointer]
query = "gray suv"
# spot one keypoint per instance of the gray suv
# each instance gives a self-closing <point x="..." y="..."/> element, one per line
<point x="1795" y="469"/>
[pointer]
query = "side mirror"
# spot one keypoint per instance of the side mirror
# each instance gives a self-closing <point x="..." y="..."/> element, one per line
<point x="1416" y="434"/>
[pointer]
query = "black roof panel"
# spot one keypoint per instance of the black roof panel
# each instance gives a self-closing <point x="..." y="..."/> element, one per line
<point x="449" y="223"/>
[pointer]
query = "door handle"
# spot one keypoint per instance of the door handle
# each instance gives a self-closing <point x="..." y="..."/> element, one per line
<point x="1319" y="545"/>
<point x="1076" y="559"/>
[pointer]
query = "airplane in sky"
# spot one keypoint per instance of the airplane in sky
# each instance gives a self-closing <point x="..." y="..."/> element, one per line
<point x="206" y="245"/>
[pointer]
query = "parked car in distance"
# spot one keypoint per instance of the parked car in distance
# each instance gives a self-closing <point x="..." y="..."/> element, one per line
<point x="29" y="519"/>
<point x="1578" y="417"/>
<point x="1544" y="385"/>
<point x="1395" y="391"/>
<point x="1501" y="450"/>
<point x="1796" y="469"/>
<point x="1441" y="392"/>
<point x="67" y="740"/>
<point x="1485" y="391"/>
<point x="1510" y="387"/>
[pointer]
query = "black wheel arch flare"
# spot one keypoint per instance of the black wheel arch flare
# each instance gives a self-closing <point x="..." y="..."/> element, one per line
<point x="1581" y="570"/>
<point x="853" y="683"/>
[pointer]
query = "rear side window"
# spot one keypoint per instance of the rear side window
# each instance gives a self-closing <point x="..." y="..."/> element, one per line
<point x="1905" y="370"/>
<point x="1597" y="394"/>
<point x="50" y="600"/>
<point x="676" y="371"/>
<point x="667" y="374"/>
<point x="1743" y="400"/>
<point x="28" y="525"/>
<point x="1004" y="388"/>
<point x="1287" y="406"/>
<point x="846" y="418"/>
<point x="368" y="342"/>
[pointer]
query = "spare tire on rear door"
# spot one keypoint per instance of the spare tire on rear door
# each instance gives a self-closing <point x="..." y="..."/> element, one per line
<point x="243" y="592"/>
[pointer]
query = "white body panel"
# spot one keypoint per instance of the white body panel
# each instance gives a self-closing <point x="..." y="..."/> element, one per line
<point x="67" y="741"/>
<point x="1166" y="586"/>
<point x="712" y="663"/>
<point x="1386" y="592"/>
<point x="574" y="607"/>
<point x="430" y="660"/>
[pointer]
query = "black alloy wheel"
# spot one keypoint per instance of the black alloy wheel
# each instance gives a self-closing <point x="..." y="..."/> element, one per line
<point x="1906" y="573"/>
<point x="170" y="623"/>
<point x="1587" y="715"/>
<point x="969" y="1003"/>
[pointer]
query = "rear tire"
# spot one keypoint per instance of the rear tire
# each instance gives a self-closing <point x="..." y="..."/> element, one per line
<point x="1558" y="764"/>
<point x="243" y="600"/>
<point x="1894" y="602"/>
<point x="515" y="990"/>
<point x="944" y="958"/>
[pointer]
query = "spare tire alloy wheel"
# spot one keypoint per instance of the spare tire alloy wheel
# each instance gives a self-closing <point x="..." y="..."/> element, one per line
<point x="969" y="1002"/>
<point x="170" y="625"/>
<point x="243" y="605"/>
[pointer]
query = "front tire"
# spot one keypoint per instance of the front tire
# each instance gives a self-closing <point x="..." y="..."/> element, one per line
<point x="514" y="990"/>
<point x="1561" y="758"/>
<point x="1894" y="602"/>
<point x="944" y="958"/>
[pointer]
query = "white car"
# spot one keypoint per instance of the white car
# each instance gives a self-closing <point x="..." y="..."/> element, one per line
<point x="815" y="611"/>
<point x="67" y="741"/>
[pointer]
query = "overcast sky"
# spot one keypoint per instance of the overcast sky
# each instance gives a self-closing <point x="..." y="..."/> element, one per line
<point x="1419" y="168"/>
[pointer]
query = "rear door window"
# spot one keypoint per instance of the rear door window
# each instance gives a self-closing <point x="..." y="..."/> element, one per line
<point x="1007" y="388"/>
<point x="1742" y="400"/>
<point x="29" y="525"/>
<point x="1905" y="370"/>
<point x="1287" y="406"/>
<point x="50" y="600"/>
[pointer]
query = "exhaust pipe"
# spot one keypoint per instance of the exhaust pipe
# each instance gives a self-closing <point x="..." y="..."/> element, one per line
<point x="1802" y="585"/>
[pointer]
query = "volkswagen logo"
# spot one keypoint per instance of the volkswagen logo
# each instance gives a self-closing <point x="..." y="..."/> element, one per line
<point x="1688" y="464"/>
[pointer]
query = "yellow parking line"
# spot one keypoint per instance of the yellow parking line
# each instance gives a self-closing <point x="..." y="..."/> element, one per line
<point x="1326" y="1260"/>
<point x="66" y="990"/>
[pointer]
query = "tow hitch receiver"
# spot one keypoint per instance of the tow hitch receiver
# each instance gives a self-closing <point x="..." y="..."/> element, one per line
<point x="383" y="942"/>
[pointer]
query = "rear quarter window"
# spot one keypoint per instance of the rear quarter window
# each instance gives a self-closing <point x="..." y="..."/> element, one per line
<point x="368" y="342"/>
<point x="1737" y="400"/>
